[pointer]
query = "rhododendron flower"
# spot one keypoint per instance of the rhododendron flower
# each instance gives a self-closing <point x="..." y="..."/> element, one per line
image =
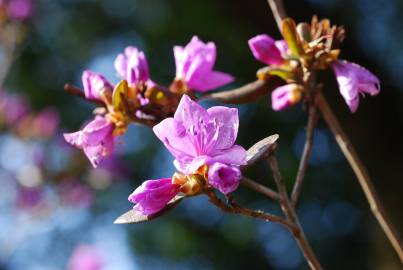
<point x="196" y="136"/>
<point x="153" y="195"/>
<point x="267" y="50"/>
<point x="85" y="257"/>
<point x="94" y="84"/>
<point x="18" y="9"/>
<point x="285" y="96"/>
<point x="47" y="122"/>
<point x="354" y="80"/>
<point x="194" y="66"/>
<point x="223" y="177"/>
<point x="132" y="66"/>
<point x="96" y="139"/>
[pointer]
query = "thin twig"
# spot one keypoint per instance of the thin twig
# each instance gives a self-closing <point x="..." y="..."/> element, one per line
<point x="361" y="174"/>
<point x="312" y="120"/>
<point x="289" y="211"/>
<point x="260" y="188"/>
<point x="278" y="11"/>
<point x="236" y="209"/>
<point x="74" y="90"/>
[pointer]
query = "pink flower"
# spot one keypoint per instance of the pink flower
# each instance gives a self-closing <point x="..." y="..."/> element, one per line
<point x="96" y="139"/>
<point x="285" y="96"/>
<point x="19" y="9"/>
<point x="132" y="66"/>
<point x="153" y="195"/>
<point x="194" y="66"/>
<point x="354" y="80"/>
<point x="85" y="257"/>
<point x="223" y="177"/>
<point x="196" y="136"/>
<point x="267" y="50"/>
<point x="46" y="122"/>
<point x="94" y="84"/>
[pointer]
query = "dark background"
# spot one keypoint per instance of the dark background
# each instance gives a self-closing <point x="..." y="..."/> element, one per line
<point x="66" y="37"/>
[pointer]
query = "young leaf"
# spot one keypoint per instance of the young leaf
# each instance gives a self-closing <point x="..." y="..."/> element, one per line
<point x="121" y="91"/>
<point x="292" y="38"/>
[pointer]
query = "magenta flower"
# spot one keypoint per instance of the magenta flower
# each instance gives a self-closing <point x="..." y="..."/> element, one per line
<point x="196" y="136"/>
<point x="153" y="195"/>
<point x="267" y="50"/>
<point x="96" y="139"/>
<point x="194" y="66"/>
<point x="85" y="257"/>
<point x="285" y="96"/>
<point x="223" y="177"/>
<point x="94" y="84"/>
<point x="47" y="122"/>
<point x="354" y="80"/>
<point x="132" y="66"/>
<point x="19" y="9"/>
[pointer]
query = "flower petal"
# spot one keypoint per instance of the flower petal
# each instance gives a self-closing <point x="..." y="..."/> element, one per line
<point x="236" y="155"/>
<point x="264" y="49"/>
<point x="209" y="81"/>
<point x="227" y="122"/>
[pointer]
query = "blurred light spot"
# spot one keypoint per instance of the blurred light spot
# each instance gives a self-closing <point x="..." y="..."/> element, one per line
<point x="99" y="178"/>
<point x="340" y="218"/>
<point x="29" y="176"/>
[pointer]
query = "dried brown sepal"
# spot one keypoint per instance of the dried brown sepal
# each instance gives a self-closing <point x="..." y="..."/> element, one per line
<point x="133" y="217"/>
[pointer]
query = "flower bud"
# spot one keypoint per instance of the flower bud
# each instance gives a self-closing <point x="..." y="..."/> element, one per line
<point x="285" y="96"/>
<point x="223" y="177"/>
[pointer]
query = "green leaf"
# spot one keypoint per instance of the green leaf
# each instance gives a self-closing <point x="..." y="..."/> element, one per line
<point x="119" y="93"/>
<point x="134" y="217"/>
<point x="291" y="36"/>
<point x="283" y="73"/>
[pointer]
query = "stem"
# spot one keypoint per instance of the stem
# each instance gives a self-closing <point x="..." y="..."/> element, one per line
<point x="312" y="120"/>
<point x="278" y="11"/>
<point x="289" y="211"/>
<point x="361" y="174"/>
<point x="234" y="208"/>
<point x="260" y="188"/>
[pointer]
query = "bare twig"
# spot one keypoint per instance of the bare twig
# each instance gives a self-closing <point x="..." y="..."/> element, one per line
<point x="236" y="209"/>
<point x="361" y="173"/>
<point x="289" y="211"/>
<point x="312" y="120"/>
<point x="76" y="91"/>
<point x="278" y="11"/>
<point x="260" y="188"/>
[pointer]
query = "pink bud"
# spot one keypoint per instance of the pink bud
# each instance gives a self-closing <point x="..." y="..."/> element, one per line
<point x="153" y="195"/>
<point x="223" y="177"/>
<point x="285" y="96"/>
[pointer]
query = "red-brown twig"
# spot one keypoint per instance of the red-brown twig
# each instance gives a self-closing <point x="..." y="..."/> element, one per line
<point x="260" y="188"/>
<point x="361" y="173"/>
<point x="289" y="212"/>
<point x="312" y="120"/>
<point x="237" y="209"/>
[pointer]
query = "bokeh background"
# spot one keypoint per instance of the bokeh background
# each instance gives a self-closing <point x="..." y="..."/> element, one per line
<point x="53" y="206"/>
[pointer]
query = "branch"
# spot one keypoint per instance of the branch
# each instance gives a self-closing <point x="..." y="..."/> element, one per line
<point x="260" y="188"/>
<point x="278" y="11"/>
<point x="245" y="94"/>
<point x="289" y="211"/>
<point x="236" y="209"/>
<point x="313" y="118"/>
<point x="361" y="174"/>
<point x="74" y="90"/>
